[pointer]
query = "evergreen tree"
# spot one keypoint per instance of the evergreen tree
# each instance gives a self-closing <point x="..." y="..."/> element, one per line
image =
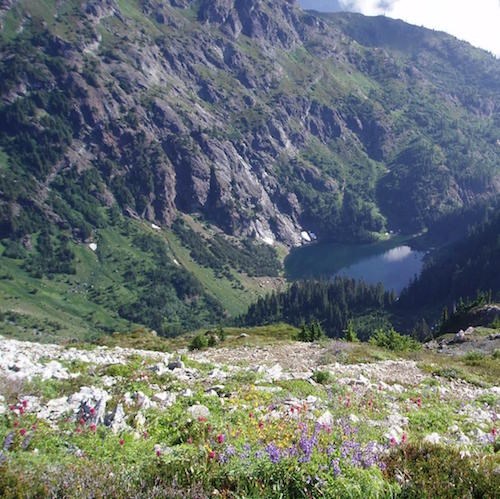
<point x="350" y="333"/>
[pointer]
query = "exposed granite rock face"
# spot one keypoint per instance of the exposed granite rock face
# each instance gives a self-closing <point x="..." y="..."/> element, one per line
<point x="199" y="107"/>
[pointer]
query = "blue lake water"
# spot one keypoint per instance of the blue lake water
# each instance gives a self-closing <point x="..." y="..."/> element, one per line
<point x="393" y="268"/>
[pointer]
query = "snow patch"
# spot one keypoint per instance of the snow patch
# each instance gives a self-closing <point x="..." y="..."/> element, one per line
<point x="305" y="236"/>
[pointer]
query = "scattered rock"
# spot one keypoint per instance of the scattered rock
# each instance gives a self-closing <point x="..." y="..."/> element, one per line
<point x="116" y="420"/>
<point x="187" y="392"/>
<point x="326" y="419"/>
<point x="143" y="401"/>
<point x="460" y="337"/>
<point x="272" y="374"/>
<point x="218" y="374"/>
<point x="432" y="438"/>
<point x="139" y="420"/>
<point x="165" y="399"/>
<point x="176" y="364"/>
<point x="198" y="411"/>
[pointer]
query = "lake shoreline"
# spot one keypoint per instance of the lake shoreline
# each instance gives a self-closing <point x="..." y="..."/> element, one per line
<point x="326" y="259"/>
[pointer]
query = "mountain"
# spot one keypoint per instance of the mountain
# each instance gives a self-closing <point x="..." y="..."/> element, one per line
<point x="250" y="120"/>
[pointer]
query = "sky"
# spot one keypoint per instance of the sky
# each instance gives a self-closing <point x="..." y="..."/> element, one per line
<point x="476" y="21"/>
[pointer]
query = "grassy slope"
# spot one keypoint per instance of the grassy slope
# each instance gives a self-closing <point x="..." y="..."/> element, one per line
<point x="80" y="306"/>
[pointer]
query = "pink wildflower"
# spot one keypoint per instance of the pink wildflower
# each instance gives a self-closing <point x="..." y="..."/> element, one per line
<point x="211" y="455"/>
<point x="93" y="427"/>
<point x="393" y="442"/>
<point x="92" y="411"/>
<point x="22" y="432"/>
<point x="202" y="419"/>
<point x="221" y="438"/>
<point x="24" y="403"/>
<point x="404" y="438"/>
<point x="122" y="442"/>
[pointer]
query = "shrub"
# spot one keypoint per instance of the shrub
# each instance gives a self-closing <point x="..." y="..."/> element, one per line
<point x="474" y="358"/>
<point x="221" y="333"/>
<point x="394" y="341"/>
<point x="198" y="342"/>
<point x="211" y="339"/>
<point x="322" y="377"/>
<point x="311" y="332"/>
<point x="350" y="333"/>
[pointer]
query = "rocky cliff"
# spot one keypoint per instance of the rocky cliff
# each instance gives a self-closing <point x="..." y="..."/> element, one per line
<point x="261" y="117"/>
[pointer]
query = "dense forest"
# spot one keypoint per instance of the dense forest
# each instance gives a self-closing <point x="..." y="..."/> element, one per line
<point x="332" y="303"/>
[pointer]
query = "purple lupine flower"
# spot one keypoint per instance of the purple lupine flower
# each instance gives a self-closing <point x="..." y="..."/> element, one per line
<point x="356" y="458"/>
<point x="335" y="465"/>
<point x="371" y="455"/>
<point x="26" y="441"/>
<point x="8" y="441"/>
<point x="230" y="451"/>
<point x="306" y="444"/>
<point x="273" y="452"/>
<point x="348" y="448"/>
<point x="245" y="453"/>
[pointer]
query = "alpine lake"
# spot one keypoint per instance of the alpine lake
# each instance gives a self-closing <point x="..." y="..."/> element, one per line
<point x="392" y="262"/>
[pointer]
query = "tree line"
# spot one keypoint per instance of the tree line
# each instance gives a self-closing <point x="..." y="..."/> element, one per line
<point x="332" y="303"/>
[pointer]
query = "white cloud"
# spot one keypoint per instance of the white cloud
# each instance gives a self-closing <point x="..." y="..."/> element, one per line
<point x="476" y="21"/>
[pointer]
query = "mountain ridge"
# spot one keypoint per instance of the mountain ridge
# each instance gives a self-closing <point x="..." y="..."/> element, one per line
<point x="185" y="141"/>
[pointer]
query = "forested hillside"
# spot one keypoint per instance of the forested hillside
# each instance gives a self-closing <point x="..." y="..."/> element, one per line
<point x="459" y="271"/>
